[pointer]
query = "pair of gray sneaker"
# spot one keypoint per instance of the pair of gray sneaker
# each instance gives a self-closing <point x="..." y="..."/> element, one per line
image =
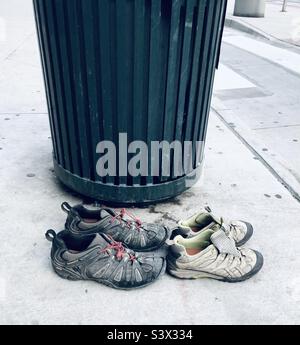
<point x="115" y="249"/>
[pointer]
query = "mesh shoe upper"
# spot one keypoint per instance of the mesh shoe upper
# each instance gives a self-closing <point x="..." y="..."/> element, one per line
<point x="122" y="227"/>
<point x="99" y="258"/>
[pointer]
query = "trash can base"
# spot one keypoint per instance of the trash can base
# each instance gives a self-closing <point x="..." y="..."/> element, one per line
<point x="123" y="195"/>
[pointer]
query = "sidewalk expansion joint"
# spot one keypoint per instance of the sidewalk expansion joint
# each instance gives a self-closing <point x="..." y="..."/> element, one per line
<point x="260" y="158"/>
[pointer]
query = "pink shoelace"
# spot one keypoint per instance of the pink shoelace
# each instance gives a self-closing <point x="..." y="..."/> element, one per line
<point x="122" y="214"/>
<point x="120" y="251"/>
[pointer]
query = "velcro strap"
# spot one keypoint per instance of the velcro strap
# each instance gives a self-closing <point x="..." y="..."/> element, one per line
<point x="224" y="244"/>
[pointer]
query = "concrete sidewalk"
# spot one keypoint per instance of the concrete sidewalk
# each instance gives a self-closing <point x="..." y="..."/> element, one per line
<point x="276" y="25"/>
<point x="235" y="184"/>
<point x="262" y="102"/>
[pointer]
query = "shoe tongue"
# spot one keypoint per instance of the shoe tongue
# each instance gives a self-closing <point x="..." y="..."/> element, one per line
<point x="204" y="218"/>
<point x="224" y="244"/>
<point x="99" y="240"/>
<point x="215" y="227"/>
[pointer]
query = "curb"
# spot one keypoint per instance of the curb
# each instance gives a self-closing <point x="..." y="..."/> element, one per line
<point x="238" y="24"/>
<point x="241" y="26"/>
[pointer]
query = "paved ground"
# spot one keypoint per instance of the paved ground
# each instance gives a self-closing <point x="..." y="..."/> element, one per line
<point x="262" y="100"/>
<point x="236" y="184"/>
<point x="278" y="25"/>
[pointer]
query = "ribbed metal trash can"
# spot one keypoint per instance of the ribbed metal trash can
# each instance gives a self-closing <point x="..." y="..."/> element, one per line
<point x="140" y="67"/>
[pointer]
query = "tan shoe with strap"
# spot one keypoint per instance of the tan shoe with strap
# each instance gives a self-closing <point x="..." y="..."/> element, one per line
<point x="212" y="255"/>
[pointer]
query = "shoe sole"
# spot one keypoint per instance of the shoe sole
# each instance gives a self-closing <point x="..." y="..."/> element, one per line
<point x="68" y="275"/>
<point x="248" y="235"/>
<point x="193" y="274"/>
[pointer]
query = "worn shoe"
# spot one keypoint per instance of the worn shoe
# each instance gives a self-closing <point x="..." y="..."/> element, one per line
<point x="99" y="258"/>
<point x="212" y="255"/>
<point x="122" y="227"/>
<point x="239" y="230"/>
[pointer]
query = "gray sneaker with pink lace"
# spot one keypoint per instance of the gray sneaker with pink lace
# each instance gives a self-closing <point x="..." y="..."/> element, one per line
<point x="122" y="227"/>
<point x="97" y="257"/>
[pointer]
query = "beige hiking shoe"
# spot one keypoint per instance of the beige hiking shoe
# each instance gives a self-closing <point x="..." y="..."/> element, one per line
<point x="238" y="230"/>
<point x="212" y="255"/>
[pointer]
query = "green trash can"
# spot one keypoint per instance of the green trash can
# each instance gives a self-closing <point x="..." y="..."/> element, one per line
<point x="122" y="75"/>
